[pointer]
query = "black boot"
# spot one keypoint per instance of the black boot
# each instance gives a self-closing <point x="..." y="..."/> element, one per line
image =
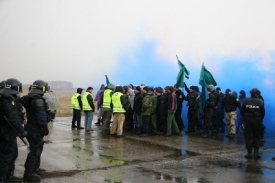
<point x="3" y="176"/>
<point x="230" y="136"/>
<point x="249" y="154"/>
<point x="139" y="132"/>
<point x="12" y="178"/>
<point x="31" y="177"/>
<point x="30" y="168"/>
<point x="206" y="133"/>
<point x="40" y="171"/>
<point x="256" y="154"/>
<point x="98" y="122"/>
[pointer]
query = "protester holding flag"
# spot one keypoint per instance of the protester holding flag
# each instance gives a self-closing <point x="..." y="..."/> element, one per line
<point x="205" y="80"/>
<point x="214" y="115"/>
<point x="180" y="98"/>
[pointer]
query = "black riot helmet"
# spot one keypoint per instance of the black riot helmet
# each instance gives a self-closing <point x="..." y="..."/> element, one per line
<point x="38" y="87"/>
<point x="12" y="86"/>
<point x="2" y="84"/>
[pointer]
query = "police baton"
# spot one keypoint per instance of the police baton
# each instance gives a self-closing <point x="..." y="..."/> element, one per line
<point x="18" y="134"/>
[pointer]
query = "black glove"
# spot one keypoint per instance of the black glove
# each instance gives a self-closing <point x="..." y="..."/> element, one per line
<point x="45" y="130"/>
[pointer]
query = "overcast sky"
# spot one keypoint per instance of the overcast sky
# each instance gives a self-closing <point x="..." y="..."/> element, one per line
<point x="137" y="41"/>
<point x="81" y="41"/>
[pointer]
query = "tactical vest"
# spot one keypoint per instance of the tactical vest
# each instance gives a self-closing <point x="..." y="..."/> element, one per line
<point x="6" y="131"/>
<point x="86" y="105"/>
<point x="74" y="102"/>
<point x="107" y="99"/>
<point x="117" y="106"/>
<point x="31" y="111"/>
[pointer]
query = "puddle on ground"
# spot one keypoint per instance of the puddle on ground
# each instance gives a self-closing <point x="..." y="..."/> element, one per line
<point x="165" y="177"/>
<point x="181" y="153"/>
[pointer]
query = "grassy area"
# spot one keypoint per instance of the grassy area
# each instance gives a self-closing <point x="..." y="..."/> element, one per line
<point x="64" y="105"/>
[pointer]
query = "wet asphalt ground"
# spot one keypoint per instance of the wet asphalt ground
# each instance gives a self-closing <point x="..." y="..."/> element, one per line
<point x="77" y="156"/>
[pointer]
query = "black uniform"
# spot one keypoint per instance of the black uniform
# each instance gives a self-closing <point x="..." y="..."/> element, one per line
<point x="214" y="115"/>
<point x="37" y="128"/>
<point x="193" y="108"/>
<point x="253" y="111"/>
<point x="208" y="113"/>
<point x="180" y="98"/>
<point x="161" y="114"/>
<point x="10" y="127"/>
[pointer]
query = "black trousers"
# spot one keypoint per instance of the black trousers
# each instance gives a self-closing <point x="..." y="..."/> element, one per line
<point x="36" y="147"/>
<point x="145" y="123"/>
<point x="76" y="117"/>
<point x="129" y="119"/>
<point x="8" y="155"/>
<point x="179" y="119"/>
<point x="193" y="120"/>
<point x="208" y="113"/>
<point x="220" y="117"/>
<point x="162" y="122"/>
<point x="252" y="133"/>
<point x="214" y="119"/>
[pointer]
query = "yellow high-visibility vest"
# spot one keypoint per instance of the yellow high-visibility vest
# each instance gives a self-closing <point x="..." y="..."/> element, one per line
<point x="107" y="99"/>
<point x="74" y="102"/>
<point x="117" y="105"/>
<point x="86" y="105"/>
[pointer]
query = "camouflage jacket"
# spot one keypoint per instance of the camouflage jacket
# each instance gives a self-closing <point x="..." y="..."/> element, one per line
<point x="147" y="104"/>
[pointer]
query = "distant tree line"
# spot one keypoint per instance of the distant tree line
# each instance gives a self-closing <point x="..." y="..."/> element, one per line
<point x="60" y="85"/>
<point x="55" y="85"/>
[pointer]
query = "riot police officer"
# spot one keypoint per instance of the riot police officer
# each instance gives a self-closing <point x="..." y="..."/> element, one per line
<point x="36" y="127"/>
<point x="10" y="128"/>
<point x="253" y="111"/>
<point x="2" y="85"/>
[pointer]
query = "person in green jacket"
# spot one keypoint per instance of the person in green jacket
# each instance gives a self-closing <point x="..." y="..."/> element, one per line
<point x="146" y="111"/>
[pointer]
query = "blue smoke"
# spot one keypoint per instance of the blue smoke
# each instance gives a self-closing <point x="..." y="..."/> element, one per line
<point x="140" y="64"/>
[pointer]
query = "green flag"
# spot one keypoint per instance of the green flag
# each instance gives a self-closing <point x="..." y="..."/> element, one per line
<point x="182" y="73"/>
<point x="207" y="77"/>
<point x="107" y="80"/>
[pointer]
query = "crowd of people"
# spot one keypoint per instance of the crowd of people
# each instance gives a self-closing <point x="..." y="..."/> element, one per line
<point x="141" y="109"/>
<point x="148" y="111"/>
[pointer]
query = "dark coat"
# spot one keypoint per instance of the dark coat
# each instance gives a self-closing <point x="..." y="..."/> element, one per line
<point x="138" y="103"/>
<point x="230" y="103"/>
<point x="180" y="98"/>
